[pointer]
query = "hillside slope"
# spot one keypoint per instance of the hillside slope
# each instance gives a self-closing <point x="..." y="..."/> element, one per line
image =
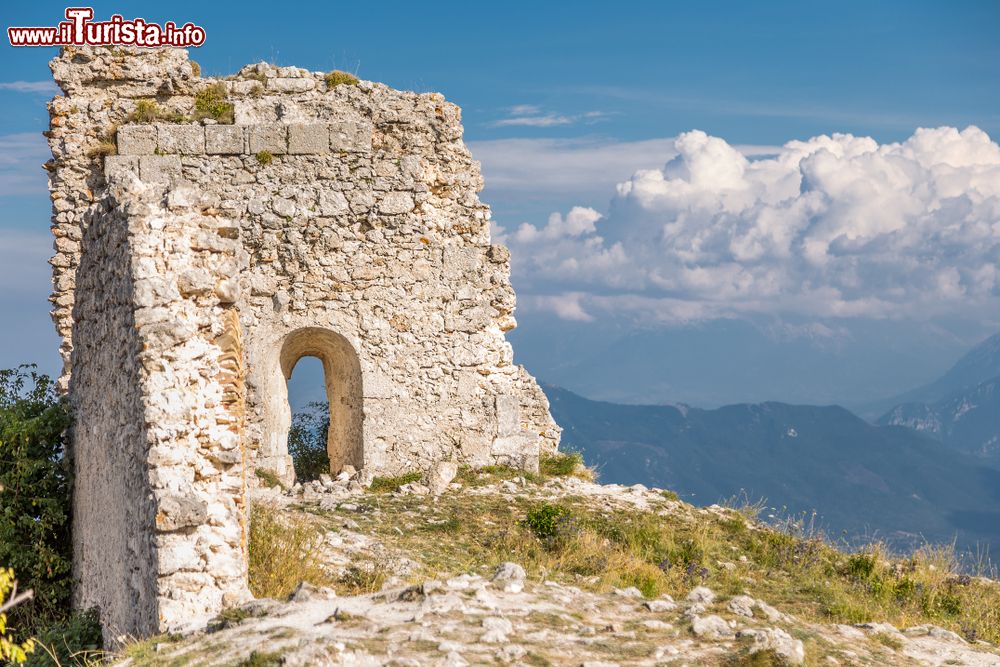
<point x="553" y="570"/>
<point x="862" y="480"/>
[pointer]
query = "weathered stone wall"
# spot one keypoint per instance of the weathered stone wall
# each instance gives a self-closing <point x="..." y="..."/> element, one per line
<point x="361" y="241"/>
<point x="112" y="508"/>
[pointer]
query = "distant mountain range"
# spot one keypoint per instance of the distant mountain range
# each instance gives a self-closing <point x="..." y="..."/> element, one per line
<point x="863" y="480"/>
<point x="962" y="408"/>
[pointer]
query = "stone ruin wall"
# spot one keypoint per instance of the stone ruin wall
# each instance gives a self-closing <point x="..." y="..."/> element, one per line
<point x="189" y="277"/>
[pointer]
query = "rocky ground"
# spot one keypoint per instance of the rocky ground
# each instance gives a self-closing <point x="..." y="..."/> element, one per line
<point x="429" y="602"/>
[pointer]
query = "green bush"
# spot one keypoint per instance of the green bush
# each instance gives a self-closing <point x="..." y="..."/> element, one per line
<point x="76" y="640"/>
<point x="543" y="520"/>
<point x="264" y="158"/>
<point x="307" y="442"/>
<point x="212" y="102"/>
<point x="35" y="490"/>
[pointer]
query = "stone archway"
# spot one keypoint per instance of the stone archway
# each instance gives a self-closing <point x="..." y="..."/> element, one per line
<point x="342" y="377"/>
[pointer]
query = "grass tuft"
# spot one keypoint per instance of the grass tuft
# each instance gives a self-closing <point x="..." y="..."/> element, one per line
<point x="568" y="464"/>
<point x="264" y="158"/>
<point x="392" y="484"/>
<point x="283" y="553"/>
<point x="339" y="78"/>
<point x="268" y="478"/>
<point x="211" y="102"/>
<point x="262" y="659"/>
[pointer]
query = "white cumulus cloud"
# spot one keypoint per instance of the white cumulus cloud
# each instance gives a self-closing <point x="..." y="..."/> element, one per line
<point x="835" y="226"/>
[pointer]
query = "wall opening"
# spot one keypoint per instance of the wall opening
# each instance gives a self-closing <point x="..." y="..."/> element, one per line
<point x="310" y="419"/>
<point x="316" y="353"/>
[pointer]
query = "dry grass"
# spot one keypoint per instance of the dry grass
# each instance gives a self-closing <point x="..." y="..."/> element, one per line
<point x="340" y="78"/>
<point x="283" y="553"/>
<point x="565" y="464"/>
<point x="103" y="149"/>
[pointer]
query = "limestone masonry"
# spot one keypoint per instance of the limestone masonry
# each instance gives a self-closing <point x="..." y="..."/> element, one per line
<point x="192" y="272"/>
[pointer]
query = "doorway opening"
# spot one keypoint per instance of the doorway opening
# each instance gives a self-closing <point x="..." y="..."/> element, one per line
<point x="325" y="401"/>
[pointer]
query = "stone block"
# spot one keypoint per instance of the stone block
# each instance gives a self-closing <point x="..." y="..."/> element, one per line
<point x="117" y="164"/>
<point x="291" y="85"/>
<point x="224" y="139"/>
<point x="508" y="415"/>
<point x="352" y="136"/>
<point x="159" y="168"/>
<point x="181" y="139"/>
<point x="136" y="140"/>
<point x="461" y="261"/>
<point x="308" y="139"/>
<point x="270" y="138"/>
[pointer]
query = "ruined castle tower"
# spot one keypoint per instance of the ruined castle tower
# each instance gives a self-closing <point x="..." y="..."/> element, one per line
<point x="209" y="234"/>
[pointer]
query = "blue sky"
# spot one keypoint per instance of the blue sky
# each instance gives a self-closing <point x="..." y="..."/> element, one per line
<point x="562" y="103"/>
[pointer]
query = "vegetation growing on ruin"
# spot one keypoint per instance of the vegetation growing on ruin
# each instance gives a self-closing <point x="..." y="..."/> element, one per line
<point x="339" y="78"/>
<point x="212" y="102"/>
<point x="264" y="158"/>
<point x="148" y="111"/>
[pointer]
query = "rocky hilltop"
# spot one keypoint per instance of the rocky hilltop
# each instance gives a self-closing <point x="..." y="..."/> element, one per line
<point x="500" y="567"/>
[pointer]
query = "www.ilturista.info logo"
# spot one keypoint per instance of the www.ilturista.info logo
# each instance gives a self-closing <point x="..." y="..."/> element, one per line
<point x="79" y="30"/>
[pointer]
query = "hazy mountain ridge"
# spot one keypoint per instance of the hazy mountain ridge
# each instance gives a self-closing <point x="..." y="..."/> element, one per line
<point x="863" y="480"/>
<point x="962" y="408"/>
<point x="967" y="421"/>
<point x="978" y="365"/>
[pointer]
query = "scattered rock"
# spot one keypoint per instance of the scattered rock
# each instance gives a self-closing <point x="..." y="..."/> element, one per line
<point x="306" y="592"/>
<point x="665" y="603"/>
<point x="439" y="477"/>
<point x="497" y="629"/>
<point x="630" y="592"/>
<point x="742" y="605"/>
<point x="509" y="577"/>
<point x="701" y="594"/>
<point x="711" y="627"/>
<point x="777" y="640"/>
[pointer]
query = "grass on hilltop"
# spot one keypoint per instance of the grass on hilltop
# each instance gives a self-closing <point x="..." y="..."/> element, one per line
<point x="669" y="548"/>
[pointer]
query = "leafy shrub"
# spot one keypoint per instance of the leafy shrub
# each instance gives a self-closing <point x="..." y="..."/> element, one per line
<point x="544" y="519"/>
<point x="339" y="78"/>
<point x="73" y="641"/>
<point x="211" y="102"/>
<point x="35" y="537"/>
<point x="11" y="650"/>
<point x="307" y="442"/>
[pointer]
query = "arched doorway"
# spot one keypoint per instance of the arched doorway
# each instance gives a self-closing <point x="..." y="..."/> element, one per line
<point x="342" y="378"/>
